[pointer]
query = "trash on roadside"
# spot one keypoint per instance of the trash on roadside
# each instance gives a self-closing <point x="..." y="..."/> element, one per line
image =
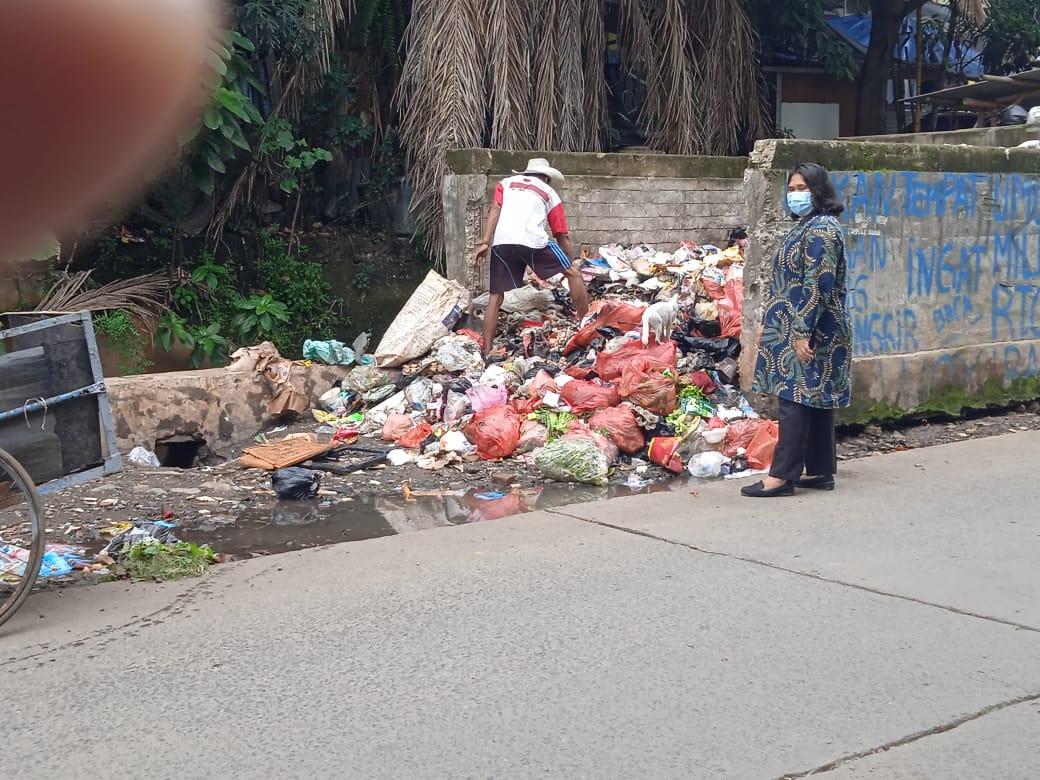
<point x="667" y="396"/>
<point x="429" y="314"/>
<point x="296" y="483"/>
<point x="282" y="453"/>
<point x="143" y="457"/>
<point x="139" y="533"/>
<point x="332" y="352"/>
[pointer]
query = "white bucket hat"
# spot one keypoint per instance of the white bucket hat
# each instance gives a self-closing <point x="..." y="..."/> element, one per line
<point x="541" y="166"/>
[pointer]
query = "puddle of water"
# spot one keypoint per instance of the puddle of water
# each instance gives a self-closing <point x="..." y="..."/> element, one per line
<point x="291" y="525"/>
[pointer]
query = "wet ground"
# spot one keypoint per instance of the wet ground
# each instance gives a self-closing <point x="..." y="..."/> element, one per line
<point x="288" y="525"/>
<point x="237" y="513"/>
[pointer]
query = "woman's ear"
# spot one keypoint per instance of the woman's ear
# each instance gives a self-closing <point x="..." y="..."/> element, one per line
<point x="96" y="93"/>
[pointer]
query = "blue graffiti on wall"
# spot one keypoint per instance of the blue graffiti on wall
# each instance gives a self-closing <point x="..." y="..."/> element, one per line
<point x="968" y="251"/>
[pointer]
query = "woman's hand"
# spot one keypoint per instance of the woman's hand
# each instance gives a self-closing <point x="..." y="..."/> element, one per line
<point x="803" y="350"/>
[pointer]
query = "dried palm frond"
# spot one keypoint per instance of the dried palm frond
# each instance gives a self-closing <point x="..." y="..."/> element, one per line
<point x="724" y="48"/>
<point x="142" y="296"/>
<point x="547" y="87"/>
<point x="671" y="92"/>
<point x="975" y="11"/>
<point x="509" y="73"/>
<point x="572" y="79"/>
<point x="440" y="97"/>
<point x="593" y="52"/>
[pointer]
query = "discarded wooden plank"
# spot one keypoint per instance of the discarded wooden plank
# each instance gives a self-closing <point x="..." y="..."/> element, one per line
<point x="282" y="453"/>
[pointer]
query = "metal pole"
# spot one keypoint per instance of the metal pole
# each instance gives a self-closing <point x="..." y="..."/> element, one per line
<point x="918" y="106"/>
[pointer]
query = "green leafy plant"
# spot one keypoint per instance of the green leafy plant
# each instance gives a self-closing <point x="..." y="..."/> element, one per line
<point x="295" y="155"/>
<point x="172" y="328"/>
<point x="118" y="329"/>
<point x="154" y="560"/>
<point x="258" y="316"/>
<point x="286" y="276"/>
<point x="222" y="136"/>
<point x="206" y="342"/>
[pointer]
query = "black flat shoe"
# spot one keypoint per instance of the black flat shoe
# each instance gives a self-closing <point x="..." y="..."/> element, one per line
<point x="759" y="490"/>
<point x="822" y="482"/>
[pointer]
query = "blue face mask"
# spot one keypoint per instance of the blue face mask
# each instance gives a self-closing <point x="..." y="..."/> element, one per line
<point x="800" y="203"/>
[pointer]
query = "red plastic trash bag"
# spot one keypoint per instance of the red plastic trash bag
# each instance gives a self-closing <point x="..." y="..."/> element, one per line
<point x="739" y="434"/>
<point x="579" y="372"/>
<point x="495" y="431"/>
<point x="663" y="452"/>
<point x="396" y="426"/>
<point x="762" y="446"/>
<point x="730" y="297"/>
<point x="584" y="396"/>
<point x="609" y="313"/>
<point x="416" y="436"/>
<point x="645" y="383"/>
<point x="532" y="436"/>
<point x="621" y="426"/>
<point x="609" y="365"/>
<point x="542" y="383"/>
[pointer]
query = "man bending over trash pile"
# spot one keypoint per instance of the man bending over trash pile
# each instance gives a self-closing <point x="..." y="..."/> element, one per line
<point x="525" y="208"/>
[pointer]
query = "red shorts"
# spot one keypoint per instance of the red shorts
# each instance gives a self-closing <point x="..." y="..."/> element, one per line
<point x="508" y="262"/>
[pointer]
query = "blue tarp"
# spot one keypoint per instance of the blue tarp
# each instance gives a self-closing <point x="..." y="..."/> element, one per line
<point x="963" y="59"/>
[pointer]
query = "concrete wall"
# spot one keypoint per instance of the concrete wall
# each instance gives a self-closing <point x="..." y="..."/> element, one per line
<point x="1001" y="137"/>
<point x="629" y="198"/>
<point x="943" y="251"/>
<point x="225" y="408"/>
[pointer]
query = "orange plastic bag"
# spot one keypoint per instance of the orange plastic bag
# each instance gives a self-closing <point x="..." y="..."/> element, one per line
<point x="396" y="426"/>
<point x="645" y="383"/>
<point x="495" y="431"/>
<point x="587" y="396"/>
<point x="730" y="297"/>
<point x="609" y="365"/>
<point x="621" y="426"/>
<point x="762" y="446"/>
<point x="609" y="313"/>
<point x="416" y="436"/>
<point x="542" y="383"/>
<point x="739" y="434"/>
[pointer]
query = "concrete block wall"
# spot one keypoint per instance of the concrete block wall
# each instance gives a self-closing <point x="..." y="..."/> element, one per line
<point x="943" y="252"/>
<point x="658" y="199"/>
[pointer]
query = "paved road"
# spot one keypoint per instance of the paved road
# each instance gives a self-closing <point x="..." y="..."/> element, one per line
<point x="888" y="630"/>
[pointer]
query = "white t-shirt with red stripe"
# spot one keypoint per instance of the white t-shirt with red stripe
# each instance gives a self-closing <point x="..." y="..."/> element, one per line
<point x="530" y="209"/>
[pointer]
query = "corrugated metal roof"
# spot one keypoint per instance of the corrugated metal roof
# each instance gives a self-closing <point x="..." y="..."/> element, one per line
<point x="990" y="92"/>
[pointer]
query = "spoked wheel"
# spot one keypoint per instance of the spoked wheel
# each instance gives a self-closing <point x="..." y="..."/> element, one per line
<point x="21" y="536"/>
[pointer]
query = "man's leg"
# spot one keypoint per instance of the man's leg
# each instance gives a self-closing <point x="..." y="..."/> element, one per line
<point x="579" y="294"/>
<point x="552" y="260"/>
<point x="491" y="320"/>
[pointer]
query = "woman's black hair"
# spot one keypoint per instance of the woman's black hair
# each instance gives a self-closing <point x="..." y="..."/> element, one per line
<point x="736" y="234"/>
<point x="824" y="198"/>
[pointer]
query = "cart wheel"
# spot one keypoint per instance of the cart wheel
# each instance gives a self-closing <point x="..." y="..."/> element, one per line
<point x="21" y="535"/>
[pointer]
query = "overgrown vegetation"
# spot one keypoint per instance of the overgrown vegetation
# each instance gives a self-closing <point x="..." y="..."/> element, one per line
<point x="283" y="298"/>
<point x="154" y="560"/>
<point x="125" y="339"/>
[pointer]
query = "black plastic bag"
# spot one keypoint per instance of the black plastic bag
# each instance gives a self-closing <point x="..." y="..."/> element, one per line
<point x="709" y="329"/>
<point x="296" y="483"/>
<point x="460" y="385"/>
<point x="719" y="349"/>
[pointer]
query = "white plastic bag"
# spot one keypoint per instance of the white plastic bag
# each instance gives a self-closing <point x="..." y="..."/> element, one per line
<point x="430" y="313"/>
<point x="143" y="457"/>
<point x="707" y="465"/>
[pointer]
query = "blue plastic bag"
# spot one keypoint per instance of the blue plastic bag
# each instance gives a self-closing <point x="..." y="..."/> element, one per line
<point x="333" y="353"/>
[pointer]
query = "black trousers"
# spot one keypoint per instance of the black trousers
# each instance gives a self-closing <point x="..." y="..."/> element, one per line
<point x="806" y="442"/>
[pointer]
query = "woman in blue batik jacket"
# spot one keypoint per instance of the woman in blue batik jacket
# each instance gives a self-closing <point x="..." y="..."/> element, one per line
<point x="805" y="346"/>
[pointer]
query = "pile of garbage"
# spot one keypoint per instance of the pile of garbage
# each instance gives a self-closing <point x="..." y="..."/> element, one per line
<point x="648" y="376"/>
